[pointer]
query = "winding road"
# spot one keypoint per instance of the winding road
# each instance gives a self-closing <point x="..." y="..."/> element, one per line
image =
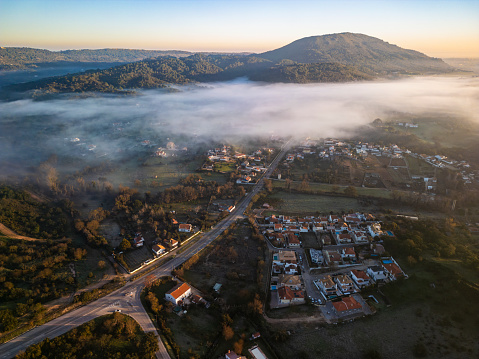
<point x="127" y="298"/>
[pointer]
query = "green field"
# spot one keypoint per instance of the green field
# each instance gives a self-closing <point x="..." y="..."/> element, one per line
<point x="225" y="166"/>
<point x="300" y="204"/>
<point x="329" y="188"/>
<point x="418" y="166"/>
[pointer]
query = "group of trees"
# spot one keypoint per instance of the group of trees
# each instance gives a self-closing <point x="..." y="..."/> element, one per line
<point x="35" y="271"/>
<point x="161" y="71"/>
<point x="23" y="215"/>
<point x="114" y="336"/>
<point x="416" y="239"/>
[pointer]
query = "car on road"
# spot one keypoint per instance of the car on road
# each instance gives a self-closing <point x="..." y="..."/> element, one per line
<point x="117" y="310"/>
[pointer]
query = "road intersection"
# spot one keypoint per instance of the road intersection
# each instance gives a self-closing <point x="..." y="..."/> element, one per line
<point x="127" y="298"/>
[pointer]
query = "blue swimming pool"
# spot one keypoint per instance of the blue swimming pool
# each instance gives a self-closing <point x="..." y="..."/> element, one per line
<point x="386" y="261"/>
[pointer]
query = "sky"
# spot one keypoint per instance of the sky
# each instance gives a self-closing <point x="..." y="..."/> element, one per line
<point x="439" y="28"/>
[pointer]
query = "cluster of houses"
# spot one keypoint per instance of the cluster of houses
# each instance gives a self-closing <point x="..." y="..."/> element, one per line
<point x="332" y="147"/>
<point x="170" y="150"/>
<point x="345" y="284"/>
<point x="161" y="247"/>
<point x="286" y="278"/>
<point x="355" y="228"/>
<point x="250" y="166"/>
<point x="341" y="238"/>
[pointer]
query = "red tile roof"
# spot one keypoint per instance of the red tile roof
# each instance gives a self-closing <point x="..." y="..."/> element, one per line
<point x="348" y="303"/>
<point x="178" y="290"/>
<point x="360" y="274"/>
<point x="393" y="269"/>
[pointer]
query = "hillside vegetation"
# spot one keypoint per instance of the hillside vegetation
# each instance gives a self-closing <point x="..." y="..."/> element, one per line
<point x="160" y="72"/>
<point x="365" y="52"/>
<point x="12" y="58"/>
<point x="330" y="58"/>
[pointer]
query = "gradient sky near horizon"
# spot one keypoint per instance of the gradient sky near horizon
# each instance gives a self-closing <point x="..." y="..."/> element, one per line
<point x="439" y="28"/>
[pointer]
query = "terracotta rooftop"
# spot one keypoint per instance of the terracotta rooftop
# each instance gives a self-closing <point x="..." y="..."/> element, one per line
<point x="348" y="303"/>
<point x="360" y="274"/>
<point x="178" y="290"/>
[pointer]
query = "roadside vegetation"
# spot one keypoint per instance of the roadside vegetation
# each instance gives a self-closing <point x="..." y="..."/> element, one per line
<point x="112" y="336"/>
<point x="233" y="314"/>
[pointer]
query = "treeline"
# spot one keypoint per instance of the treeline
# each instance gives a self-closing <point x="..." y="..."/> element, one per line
<point x="22" y="214"/>
<point x="160" y="72"/>
<point x="418" y="239"/>
<point x="115" y="336"/>
<point x="34" y="272"/>
<point x="309" y="73"/>
<point x="12" y="58"/>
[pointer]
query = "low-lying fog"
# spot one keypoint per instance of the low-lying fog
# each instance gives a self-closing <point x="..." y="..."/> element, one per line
<point x="33" y="130"/>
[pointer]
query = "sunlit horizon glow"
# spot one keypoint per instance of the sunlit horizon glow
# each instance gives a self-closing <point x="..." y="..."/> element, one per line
<point x="439" y="29"/>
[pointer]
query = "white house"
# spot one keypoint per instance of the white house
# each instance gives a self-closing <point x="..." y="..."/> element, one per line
<point x="377" y="274"/>
<point x="158" y="249"/>
<point x="360" y="278"/>
<point x="375" y="230"/>
<point x="185" y="227"/>
<point x="139" y="240"/>
<point x="178" y="293"/>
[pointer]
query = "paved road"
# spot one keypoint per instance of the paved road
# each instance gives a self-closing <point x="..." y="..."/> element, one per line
<point x="127" y="298"/>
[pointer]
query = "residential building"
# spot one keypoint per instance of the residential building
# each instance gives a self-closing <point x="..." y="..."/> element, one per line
<point x="158" y="249"/>
<point x="178" y="293"/>
<point x="290" y="296"/>
<point x="332" y="257"/>
<point x="345" y="284"/>
<point x="327" y="286"/>
<point x="346" y="305"/>
<point x="184" y="227"/>
<point x="289" y="280"/>
<point x="375" y="230"/>
<point x="377" y="274"/>
<point x="360" y="277"/>
<point x="233" y="355"/>
<point x="393" y="271"/>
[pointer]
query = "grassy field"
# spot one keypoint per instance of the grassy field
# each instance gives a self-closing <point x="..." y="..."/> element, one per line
<point x="225" y="166"/>
<point x="421" y="317"/>
<point x="310" y="240"/>
<point x="231" y="261"/>
<point x="330" y="188"/>
<point x="419" y="167"/>
<point x="300" y="204"/>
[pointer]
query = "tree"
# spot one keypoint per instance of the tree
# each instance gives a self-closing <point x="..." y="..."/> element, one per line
<point x="351" y="191"/>
<point x="7" y="321"/>
<point x="238" y="346"/>
<point x="124" y="245"/>
<point x="228" y="332"/>
<point x="101" y="264"/>
<point x="149" y="345"/>
<point x="268" y="184"/>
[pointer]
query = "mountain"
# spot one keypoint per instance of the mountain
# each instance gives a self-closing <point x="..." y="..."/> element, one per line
<point x="329" y="58"/>
<point x="367" y="53"/>
<point x="162" y="71"/>
<point x="308" y="73"/>
<point x="14" y="58"/>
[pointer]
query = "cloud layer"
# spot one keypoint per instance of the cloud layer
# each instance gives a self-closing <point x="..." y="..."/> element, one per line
<point x="232" y="109"/>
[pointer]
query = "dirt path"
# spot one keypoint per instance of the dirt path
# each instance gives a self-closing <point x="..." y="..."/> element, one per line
<point x="9" y="233"/>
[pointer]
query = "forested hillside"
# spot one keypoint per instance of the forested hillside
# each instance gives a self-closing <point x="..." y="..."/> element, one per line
<point x="12" y="58"/>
